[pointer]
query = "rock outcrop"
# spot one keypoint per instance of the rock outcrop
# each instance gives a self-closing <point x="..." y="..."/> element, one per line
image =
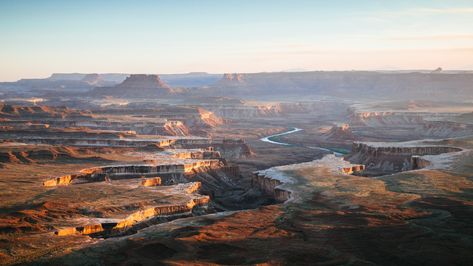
<point x="279" y="182"/>
<point x="208" y="153"/>
<point x="384" y="158"/>
<point x="270" y="187"/>
<point x="151" y="182"/>
<point x="9" y="112"/>
<point x="339" y="132"/>
<point x="148" y="213"/>
<point x="237" y="111"/>
<point x="384" y="118"/>
<point x="176" y="128"/>
<point x="116" y="225"/>
<point x="229" y="78"/>
<point x="244" y="109"/>
<point x="208" y="118"/>
<point x="354" y="169"/>
<point x="143" y="81"/>
<point x="62" y="180"/>
<point x="134" y="171"/>
<point x="412" y="124"/>
<point x="33" y="155"/>
<point x="137" y="86"/>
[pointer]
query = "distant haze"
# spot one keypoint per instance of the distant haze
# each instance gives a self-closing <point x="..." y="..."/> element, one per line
<point x="42" y="37"/>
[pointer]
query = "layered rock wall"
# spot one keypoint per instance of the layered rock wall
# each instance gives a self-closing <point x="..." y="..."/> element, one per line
<point x="135" y="218"/>
<point x="128" y="171"/>
<point x="151" y="182"/>
<point x="270" y="187"/>
<point x="395" y="157"/>
<point x="400" y="150"/>
<point x="62" y="180"/>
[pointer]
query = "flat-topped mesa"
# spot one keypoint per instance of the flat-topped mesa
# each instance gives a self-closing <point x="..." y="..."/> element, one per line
<point x="399" y="86"/>
<point x="117" y="142"/>
<point x="384" y="158"/>
<point x="117" y="225"/>
<point x="170" y="209"/>
<point x="233" y="77"/>
<point x="400" y="149"/>
<point x="209" y="153"/>
<point x="137" y="86"/>
<point x="95" y="174"/>
<point x="165" y="127"/>
<point x="144" y="81"/>
<point x="228" y="148"/>
<point x="40" y="113"/>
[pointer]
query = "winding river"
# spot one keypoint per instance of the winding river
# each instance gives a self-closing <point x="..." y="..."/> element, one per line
<point x="273" y="139"/>
<point x="270" y="139"/>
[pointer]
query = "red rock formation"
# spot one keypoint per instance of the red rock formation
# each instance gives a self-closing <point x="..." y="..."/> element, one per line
<point x="100" y="173"/>
<point x="42" y="111"/>
<point x="340" y="132"/>
<point x="136" y="217"/>
<point x="209" y="118"/>
<point x="148" y="213"/>
<point x="353" y="169"/>
<point x="62" y="180"/>
<point x="176" y="128"/>
<point x="269" y="186"/>
<point x="137" y="86"/>
<point x="151" y="182"/>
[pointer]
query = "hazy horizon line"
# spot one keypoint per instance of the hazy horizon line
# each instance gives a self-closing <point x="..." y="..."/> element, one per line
<point x="250" y="72"/>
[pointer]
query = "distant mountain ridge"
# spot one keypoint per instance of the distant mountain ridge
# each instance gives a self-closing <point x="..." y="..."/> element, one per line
<point x="390" y="85"/>
<point x="347" y="84"/>
<point x="191" y="79"/>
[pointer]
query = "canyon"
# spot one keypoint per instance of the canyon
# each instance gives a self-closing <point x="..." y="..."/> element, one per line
<point x="237" y="169"/>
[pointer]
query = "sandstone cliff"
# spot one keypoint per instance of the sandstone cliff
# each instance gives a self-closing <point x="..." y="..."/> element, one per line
<point x="116" y="225"/>
<point x="385" y="158"/>
<point x="8" y="111"/>
<point x="136" y="86"/>
<point x="339" y="132"/>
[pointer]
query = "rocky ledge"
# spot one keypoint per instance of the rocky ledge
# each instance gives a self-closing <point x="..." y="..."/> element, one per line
<point x="280" y="182"/>
<point x="390" y="157"/>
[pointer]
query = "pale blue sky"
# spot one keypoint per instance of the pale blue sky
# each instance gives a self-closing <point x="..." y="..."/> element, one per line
<point x="41" y="37"/>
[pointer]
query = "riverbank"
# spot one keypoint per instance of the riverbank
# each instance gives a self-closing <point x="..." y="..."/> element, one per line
<point x="274" y="138"/>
